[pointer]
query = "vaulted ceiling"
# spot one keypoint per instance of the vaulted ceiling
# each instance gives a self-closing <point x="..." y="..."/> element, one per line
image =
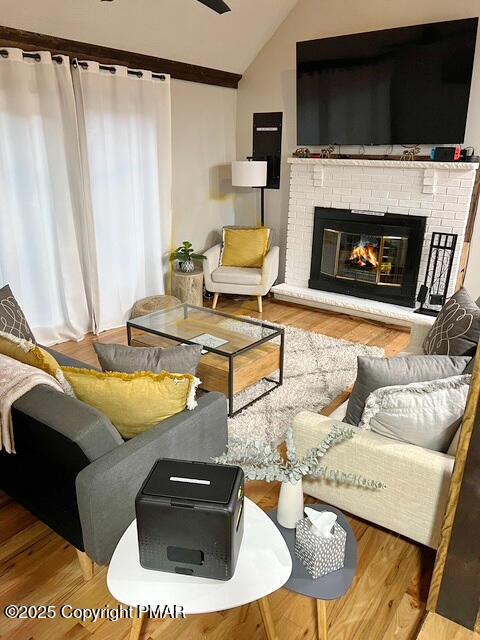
<point x="182" y="30"/>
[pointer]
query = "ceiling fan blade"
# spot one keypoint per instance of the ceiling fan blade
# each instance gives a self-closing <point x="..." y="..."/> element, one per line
<point x="217" y="5"/>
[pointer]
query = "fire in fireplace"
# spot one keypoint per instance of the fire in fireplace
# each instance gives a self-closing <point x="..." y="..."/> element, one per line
<point x="376" y="260"/>
<point x="364" y="255"/>
<point x="371" y="256"/>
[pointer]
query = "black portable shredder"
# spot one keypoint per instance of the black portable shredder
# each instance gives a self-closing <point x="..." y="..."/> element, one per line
<point x="190" y="518"/>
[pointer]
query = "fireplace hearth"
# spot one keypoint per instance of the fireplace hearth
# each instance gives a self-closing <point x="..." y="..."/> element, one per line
<point x="374" y="256"/>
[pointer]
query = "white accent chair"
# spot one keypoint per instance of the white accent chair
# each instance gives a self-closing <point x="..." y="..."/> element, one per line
<point x="417" y="480"/>
<point x="246" y="281"/>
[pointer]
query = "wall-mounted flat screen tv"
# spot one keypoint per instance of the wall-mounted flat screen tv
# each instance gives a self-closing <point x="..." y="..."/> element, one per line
<point x="397" y="86"/>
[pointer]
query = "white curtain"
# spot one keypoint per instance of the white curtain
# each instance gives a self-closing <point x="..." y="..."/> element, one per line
<point x="125" y="143"/>
<point x="40" y="196"/>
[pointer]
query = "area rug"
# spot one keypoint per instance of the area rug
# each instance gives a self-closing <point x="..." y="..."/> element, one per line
<point x="317" y="370"/>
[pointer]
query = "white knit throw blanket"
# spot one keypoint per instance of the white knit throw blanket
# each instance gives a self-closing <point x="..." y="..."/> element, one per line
<point x="16" y="379"/>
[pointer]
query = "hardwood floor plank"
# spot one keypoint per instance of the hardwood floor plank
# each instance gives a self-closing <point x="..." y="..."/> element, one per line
<point x="365" y="611"/>
<point x="19" y="519"/>
<point x="406" y="620"/>
<point x="22" y="539"/>
<point x="45" y="573"/>
<point x="436" y="627"/>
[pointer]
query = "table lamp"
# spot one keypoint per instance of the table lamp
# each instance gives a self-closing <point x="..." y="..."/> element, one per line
<point x="251" y="173"/>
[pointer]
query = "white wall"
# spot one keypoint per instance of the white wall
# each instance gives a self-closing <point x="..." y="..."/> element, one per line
<point x="269" y="85"/>
<point x="203" y="146"/>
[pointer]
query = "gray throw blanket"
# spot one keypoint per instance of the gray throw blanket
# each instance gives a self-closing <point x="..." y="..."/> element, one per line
<point x="16" y="379"/>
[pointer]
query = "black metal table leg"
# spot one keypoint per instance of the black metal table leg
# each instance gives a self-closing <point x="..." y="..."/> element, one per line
<point x="231" y="365"/>
<point x="129" y="334"/>
<point x="275" y="383"/>
<point x="282" y="354"/>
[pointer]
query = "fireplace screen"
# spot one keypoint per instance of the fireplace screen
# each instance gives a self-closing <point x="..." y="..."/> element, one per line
<point x="375" y="256"/>
<point x="369" y="259"/>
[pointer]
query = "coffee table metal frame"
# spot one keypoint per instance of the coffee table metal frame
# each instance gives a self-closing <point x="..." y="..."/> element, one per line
<point x="277" y="332"/>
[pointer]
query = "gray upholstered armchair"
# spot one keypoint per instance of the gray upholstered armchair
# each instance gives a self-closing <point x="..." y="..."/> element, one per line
<point x="246" y="281"/>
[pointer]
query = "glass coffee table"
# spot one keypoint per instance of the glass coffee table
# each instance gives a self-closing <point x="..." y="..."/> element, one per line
<point x="237" y="352"/>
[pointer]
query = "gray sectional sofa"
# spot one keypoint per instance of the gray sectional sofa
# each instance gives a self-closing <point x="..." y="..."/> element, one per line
<point x="73" y="470"/>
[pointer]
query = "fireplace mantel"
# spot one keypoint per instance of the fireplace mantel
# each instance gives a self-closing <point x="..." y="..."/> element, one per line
<point x="404" y="164"/>
<point x="439" y="191"/>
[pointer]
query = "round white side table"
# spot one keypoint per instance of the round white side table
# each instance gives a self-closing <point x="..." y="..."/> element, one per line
<point x="264" y="565"/>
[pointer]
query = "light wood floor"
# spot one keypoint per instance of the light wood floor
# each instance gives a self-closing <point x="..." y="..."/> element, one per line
<point x="386" y="601"/>
<point x="436" y="627"/>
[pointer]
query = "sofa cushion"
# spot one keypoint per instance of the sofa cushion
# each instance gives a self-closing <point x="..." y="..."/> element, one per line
<point x="456" y="330"/>
<point x="12" y="318"/>
<point x="237" y="275"/>
<point x="426" y="414"/>
<point x="32" y="354"/>
<point x="375" y="373"/>
<point x="244" y="247"/>
<point x="134" y="402"/>
<point x="118" y="357"/>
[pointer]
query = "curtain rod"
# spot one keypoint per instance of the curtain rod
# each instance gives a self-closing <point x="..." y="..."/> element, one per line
<point x="83" y="64"/>
<point x="33" y="56"/>
<point x="111" y="69"/>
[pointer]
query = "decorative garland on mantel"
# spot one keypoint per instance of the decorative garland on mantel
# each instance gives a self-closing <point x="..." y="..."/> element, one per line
<point x="364" y="156"/>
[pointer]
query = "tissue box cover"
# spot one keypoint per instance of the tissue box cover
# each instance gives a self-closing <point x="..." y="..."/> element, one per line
<point x="320" y="555"/>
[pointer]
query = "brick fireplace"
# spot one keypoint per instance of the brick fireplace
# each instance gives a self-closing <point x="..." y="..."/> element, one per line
<point x="438" y="193"/>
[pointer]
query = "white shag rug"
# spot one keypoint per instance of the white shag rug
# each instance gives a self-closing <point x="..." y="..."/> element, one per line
<point x="317" y="370"/>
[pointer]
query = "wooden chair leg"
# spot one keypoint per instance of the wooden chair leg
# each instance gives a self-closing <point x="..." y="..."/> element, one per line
<point x="215" y="300"/>
<point x="244" y="613"/>
<point x="260" y="304"/>
<point x="137" y="624"/>
<point x="267" y="619"/>
<point x="322" y="624"/>
<point x="86" y="565"/>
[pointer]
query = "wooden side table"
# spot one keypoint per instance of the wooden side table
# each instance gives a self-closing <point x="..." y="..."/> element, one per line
<point x="188" y="287"/>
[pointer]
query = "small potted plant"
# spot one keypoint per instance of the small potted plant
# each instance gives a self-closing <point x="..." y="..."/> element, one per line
<point x="185" y="256"/>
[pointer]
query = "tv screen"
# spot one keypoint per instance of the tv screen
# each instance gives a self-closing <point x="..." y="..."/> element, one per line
<point x="398" y="86"/>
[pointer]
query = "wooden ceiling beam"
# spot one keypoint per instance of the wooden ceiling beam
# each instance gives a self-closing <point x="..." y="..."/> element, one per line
<point x="31" y="41"/>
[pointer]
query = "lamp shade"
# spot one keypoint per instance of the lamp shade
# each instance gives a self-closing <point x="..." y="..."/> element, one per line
<point x="249" y="173"/>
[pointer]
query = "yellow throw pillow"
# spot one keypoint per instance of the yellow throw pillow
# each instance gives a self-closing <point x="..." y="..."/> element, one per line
<point x="134" y="402"/>
<point x="33" y="355"/>
<point x="245" y="247"/>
